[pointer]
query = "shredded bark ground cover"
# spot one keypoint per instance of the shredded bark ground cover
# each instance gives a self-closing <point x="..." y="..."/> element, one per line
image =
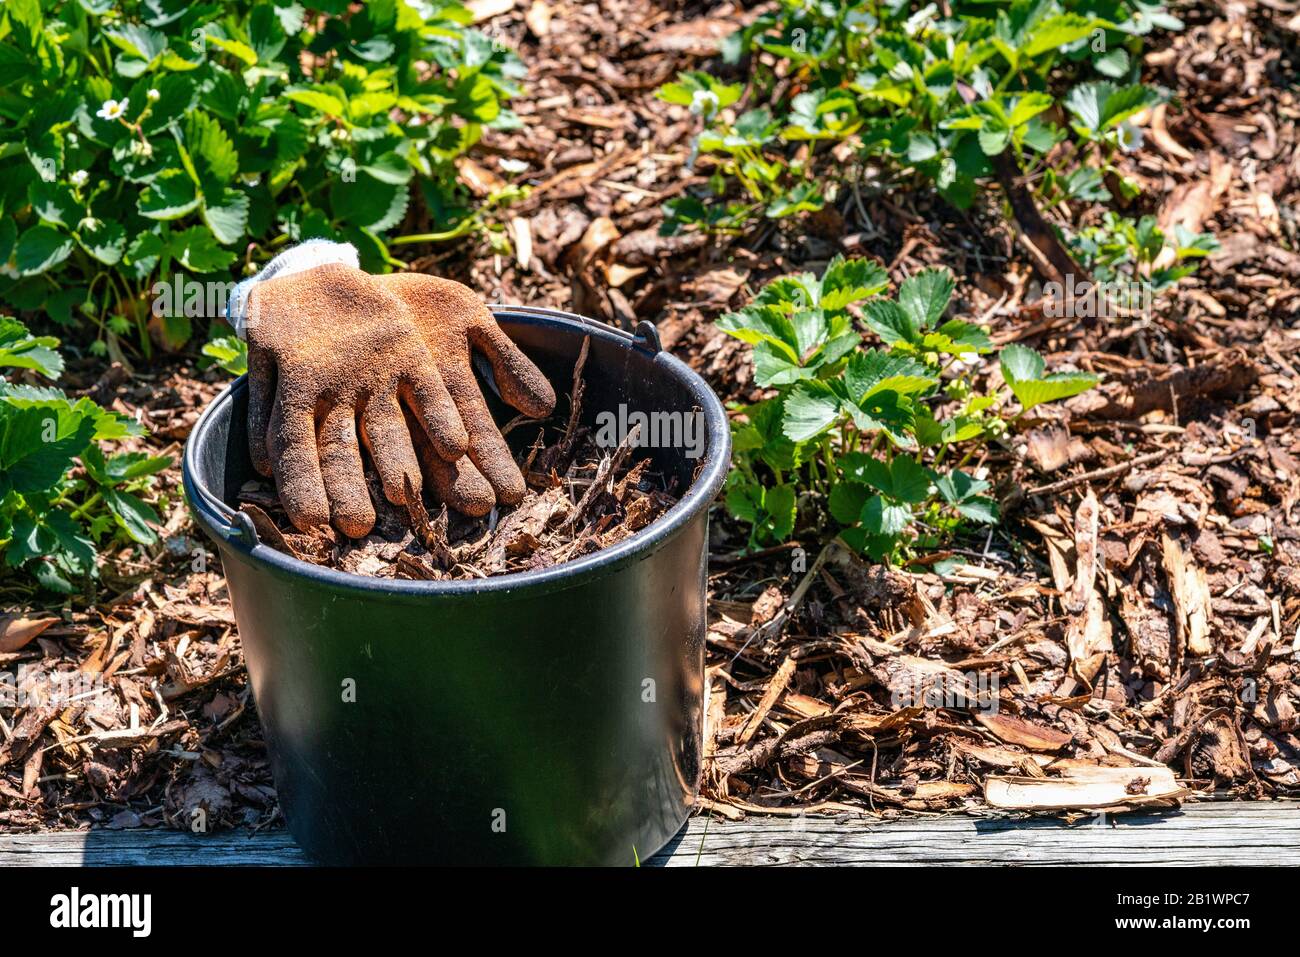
<point x="580" y="499"/>
<point x="1135" y="616"/>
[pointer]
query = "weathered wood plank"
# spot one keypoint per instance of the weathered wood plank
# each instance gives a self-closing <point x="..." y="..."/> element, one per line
<point x="1198" y="835"/>
<point x="153" y="846"/>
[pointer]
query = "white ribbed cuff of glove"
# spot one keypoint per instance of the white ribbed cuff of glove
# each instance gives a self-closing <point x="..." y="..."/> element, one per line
<point x="304" y="256"/>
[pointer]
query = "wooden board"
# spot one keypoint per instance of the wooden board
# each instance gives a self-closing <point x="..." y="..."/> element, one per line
<point x="1198" y="835"/>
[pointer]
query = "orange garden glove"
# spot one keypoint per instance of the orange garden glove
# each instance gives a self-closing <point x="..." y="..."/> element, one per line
<point x="328" y="346"/>
<point x="453" y="320"/>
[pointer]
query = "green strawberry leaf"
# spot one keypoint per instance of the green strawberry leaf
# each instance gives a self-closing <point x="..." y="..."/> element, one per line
<point x="777" y="451"/>
<point x="38" y="444"/>
<point x="957" y="337"/>
<point x="963" y="493"/>
<point x="369" y="203"/>
<point x="1021" y="363"/>
<point x="811" y="407"/>
<point x="1102" y="106"/>
<point x="881" y="516"/>
<point x="54" y="203"/>
<point x="851" y="280"/>
<point x="104" y="239"/>
<point x="910" y="481"/>
<point x="1113" y="63"/>
<point x="212" y="152"/>
<point x="925" y="296"/>
<point x="902" y="479"/>
<point x="133" y="515"/>
<point x="890" y="321"/>
<point x="762" y="324"/>
<point x="122" y="467"/>
<point x="171" y="195"/>
<point x="779" y="506"/>
<point x="993" y="139"/>
<point x="197" y="250"/>
<point x="871" y="371"/>
<point x="41" y="248"/>
<point x="1053" y="32"/>
<point x="770" y="510"/>
<point x="846" y="500"/>
<point x="805" y="197"/>
<point x="1022" y="368"/>
<point x="227" y="215"/>
<point x="53" y="548"/>
<point x="773" y="368"/>
<point x="232" y="355"/>
<point x="21" y="350"/>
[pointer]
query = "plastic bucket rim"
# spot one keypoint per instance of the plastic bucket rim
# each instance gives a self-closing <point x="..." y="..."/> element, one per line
<point x="697" y="499"/>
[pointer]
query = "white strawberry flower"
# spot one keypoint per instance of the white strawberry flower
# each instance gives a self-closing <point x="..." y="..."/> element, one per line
<point x="153" y="95"/>
<point x="704" y="102"/>
<point x="79" y="178"/>
<point x="112" y="109"/>
<point x="1130" y="137"/>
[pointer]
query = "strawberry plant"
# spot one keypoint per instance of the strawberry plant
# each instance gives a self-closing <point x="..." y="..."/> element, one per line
<point x="935" y="94"/>
<point x="53" y="514"/>
<point x="1120" y="249"/>
<point x="861" y="436"/>
<point x="740" y="145"/>
<point x="143" y="138"/>
<point x="1042" y="90"/>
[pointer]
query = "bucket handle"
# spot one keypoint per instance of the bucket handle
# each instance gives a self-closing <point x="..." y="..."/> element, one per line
<point x="645" y="338"/>
<point x="648" y="333"/>
<point x="232" y="526"/>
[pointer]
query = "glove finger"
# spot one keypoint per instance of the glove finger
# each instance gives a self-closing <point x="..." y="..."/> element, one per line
<point x="388" y="440"/>
<point x="487" y="449"/>
<point x="291" y="442"/>
<point x="521" y="383"/>
<point x="426" y="395"/>
<point x="345" y="481"/>
<point x="261" y="394"/>
<point x="459" y="484"/>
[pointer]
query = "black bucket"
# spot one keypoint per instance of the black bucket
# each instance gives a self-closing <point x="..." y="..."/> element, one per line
<point x="544" y="717"/>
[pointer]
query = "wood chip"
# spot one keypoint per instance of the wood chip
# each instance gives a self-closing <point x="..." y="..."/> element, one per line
<point x="780" y="679"/>
<point x="1012" y="730"/>
<point x="16" y="631"/>
<point x="1085" y="789"/>
<point x="1191" y="593"/>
